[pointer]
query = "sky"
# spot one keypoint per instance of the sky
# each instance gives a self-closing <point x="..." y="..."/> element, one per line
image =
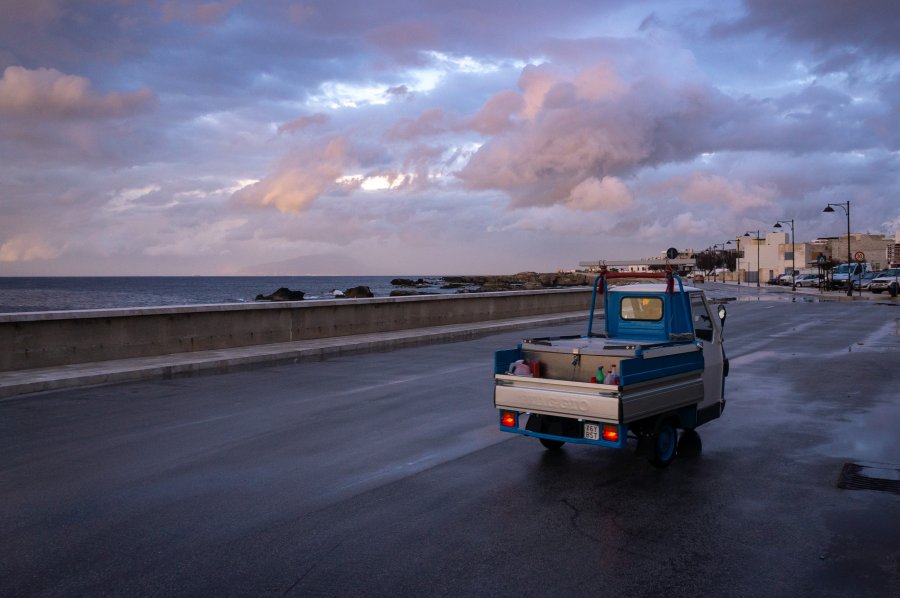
<point x="384" y="137"/>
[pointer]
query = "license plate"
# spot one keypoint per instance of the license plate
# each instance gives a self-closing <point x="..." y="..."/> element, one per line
<point x="592" y="431"/>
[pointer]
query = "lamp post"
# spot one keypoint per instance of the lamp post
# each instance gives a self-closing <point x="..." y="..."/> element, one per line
<point x="715" y="253"/>
<point x="737" y="259"/>
<point x="793" y="252"/>
<point x="747" y="234"/>
<point x="722" y="245"/>
<point x="846" y="208"/>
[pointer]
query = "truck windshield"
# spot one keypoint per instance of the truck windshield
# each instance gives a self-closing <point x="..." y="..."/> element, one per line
<point x="842" y="269"/>
<point x="641" y="308"/>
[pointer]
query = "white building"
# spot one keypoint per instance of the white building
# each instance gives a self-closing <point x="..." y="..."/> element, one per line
<point x="683" y="263"/>
<point x="761" y="259"/>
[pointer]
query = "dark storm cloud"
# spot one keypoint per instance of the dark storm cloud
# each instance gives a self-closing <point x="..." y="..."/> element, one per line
<point x="841" y="32"/>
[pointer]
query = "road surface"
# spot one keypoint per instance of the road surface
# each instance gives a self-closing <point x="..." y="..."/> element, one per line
<point x="385" y="474"/>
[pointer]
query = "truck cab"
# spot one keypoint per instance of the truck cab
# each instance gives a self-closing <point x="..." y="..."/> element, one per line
<point x="657" y="365"/>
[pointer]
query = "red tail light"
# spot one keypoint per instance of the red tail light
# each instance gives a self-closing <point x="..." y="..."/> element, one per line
<point x="508" y="419"/>
<point x="611" y="432"/>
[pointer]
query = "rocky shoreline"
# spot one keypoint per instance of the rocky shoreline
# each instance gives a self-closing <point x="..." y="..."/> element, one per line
<point x="523" y="281"/>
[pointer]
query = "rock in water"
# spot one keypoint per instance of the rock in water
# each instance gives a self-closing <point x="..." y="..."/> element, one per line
<point x="282" y="294"/>
<point x="360" y="292"/>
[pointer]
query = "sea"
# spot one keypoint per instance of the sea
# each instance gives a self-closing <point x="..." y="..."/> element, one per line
<point x="27" y="294"/>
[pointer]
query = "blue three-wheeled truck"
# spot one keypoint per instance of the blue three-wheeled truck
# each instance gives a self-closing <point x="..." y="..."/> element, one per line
<point x="659" y="366"/>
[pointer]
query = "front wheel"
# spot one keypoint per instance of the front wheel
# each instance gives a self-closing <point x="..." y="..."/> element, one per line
<point x="664" y="442"/>
<point x="551" y="445"/>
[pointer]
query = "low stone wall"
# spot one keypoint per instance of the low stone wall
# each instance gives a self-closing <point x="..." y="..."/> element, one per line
<point x="47" y="339"/>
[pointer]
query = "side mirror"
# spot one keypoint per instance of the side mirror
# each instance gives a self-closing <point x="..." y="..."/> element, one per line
<point x="722" y="314"/>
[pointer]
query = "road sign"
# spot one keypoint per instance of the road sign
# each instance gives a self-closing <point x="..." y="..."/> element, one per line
<point x="859" y="256"/>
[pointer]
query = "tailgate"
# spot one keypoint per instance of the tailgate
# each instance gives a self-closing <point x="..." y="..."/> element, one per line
<point x="597" y="402"/>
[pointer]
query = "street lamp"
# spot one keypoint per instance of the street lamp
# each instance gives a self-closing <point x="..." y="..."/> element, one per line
<point x="846" y="209"/>
<point x="722" y="245"/>
<point x="758" y="268"/>
<point x="793" y="252"/>
<point x="715" y="255"/>
<point x="737" y="259"/>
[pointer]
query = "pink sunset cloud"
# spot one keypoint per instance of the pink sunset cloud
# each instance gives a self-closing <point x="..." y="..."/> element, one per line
<point x="48" y="93"/>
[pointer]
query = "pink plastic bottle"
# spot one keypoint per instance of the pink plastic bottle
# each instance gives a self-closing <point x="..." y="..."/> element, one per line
<point x="613" y="376"/>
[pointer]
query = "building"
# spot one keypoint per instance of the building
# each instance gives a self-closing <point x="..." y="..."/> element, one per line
<point x="684" y="263"/>
<point x="893" y="255"/>
<point x="762" y="259"/>
<point x="774" y="253"/>
<point x="880" y="250"/>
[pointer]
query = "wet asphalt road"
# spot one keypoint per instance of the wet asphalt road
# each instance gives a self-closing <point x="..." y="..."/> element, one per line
<point x="385" y="474"/>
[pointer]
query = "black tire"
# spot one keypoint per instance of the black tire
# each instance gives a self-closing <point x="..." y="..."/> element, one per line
<point x="664" y="444"/>
<point x="689" y="444"/>
<point x="551" y="445"/>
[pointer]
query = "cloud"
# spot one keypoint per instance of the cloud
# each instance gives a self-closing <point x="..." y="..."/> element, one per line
<point x="497" y="114"/>
<point x="206" y="238"/>
<point x="830" y="26"/>
<point x="48" y="93"/>
<point x="303" y="122"/>
<point x="708" y="188"/>
<point x="497" y="128"/>
<point x="404" y="39"/>
<point x="431" y="122"/>
<point x="302" y="176"/>
<point x="609" y="194"/>
<point x="585" y="125"/>
<point x="32" y="11"/>
<point x="27" y="248"/>
<point x="203" y="13"/>
<point x="399" y="92"/>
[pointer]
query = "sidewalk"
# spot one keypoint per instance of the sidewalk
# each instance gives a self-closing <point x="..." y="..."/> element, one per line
<point x="186" y="364"/>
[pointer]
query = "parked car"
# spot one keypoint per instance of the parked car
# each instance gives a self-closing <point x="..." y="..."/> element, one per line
<point x="808" y="280"/>
<point x="785" y="279"/>
<point x="865" y="282"/>
<point x="884" y="280"/>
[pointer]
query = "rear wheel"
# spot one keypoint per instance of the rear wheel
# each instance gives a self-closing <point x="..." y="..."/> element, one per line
<point x="551" y="445"/>
<point x="664" y="442"/>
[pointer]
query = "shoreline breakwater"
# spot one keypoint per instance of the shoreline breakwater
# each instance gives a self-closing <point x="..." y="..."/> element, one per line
<point x="49" y="339"/>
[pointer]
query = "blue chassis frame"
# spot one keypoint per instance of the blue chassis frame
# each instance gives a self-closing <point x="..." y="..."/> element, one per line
<point x="622" y="442"/>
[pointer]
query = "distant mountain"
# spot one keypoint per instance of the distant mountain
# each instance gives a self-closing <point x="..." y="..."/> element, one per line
<point x="324" y="264"/>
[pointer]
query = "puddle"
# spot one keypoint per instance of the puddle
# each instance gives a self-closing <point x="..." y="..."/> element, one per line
<point x="774" y="297"/>
<point x="869" y="435"/>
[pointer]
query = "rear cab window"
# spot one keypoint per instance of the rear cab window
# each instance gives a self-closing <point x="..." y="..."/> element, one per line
<point x="644" y="309"/>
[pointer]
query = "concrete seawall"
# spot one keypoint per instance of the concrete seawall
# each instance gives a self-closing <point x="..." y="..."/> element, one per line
<point x="49" y="339"/>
